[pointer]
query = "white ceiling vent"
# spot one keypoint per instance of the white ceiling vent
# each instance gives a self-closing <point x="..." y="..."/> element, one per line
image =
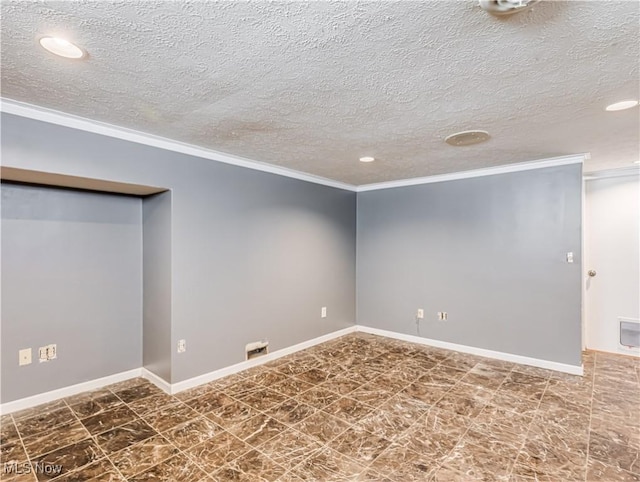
<point x="506" y="7"/>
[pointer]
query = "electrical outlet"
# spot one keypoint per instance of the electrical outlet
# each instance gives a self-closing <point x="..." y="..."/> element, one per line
<point x="420" y="314"/>
<point x="442" y="315"/>
<point x="323" y="312"/>
<point x="24" y="356"/>
<point x="52" y="352"/>
<point x="182" y="346"/>
<point x="47" y="353"/>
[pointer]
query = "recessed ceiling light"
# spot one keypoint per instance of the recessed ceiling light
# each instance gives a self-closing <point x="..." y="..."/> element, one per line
<point x="467" y="138"/>
<point x="367" y="159"/>
<point x="62" y="47"/>
<point x="625" y="104"/>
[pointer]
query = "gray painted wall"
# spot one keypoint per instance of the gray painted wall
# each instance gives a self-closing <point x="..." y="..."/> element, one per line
<point x="490" y="251"/>
<point x="156" y="269"/>
<point x="254" y="255"/>
<point x="71" y="275"/>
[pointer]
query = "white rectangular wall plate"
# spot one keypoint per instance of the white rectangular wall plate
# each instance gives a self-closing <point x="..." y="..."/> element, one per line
<point x="24" y="356"/>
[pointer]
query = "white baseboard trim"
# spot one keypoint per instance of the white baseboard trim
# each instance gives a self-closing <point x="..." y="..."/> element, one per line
<point x="238" y="367"/>
<point x="169" y="388"/>
<point x="161" y="383"/>
<point x="523" y="360"/>
<point x="158" y="381"/>
<point x="28" y="402"/>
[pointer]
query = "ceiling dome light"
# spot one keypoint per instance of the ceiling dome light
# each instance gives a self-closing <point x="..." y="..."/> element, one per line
<point x="367" y="159"/>
<point x="625" y="104"/>
<point x="62" y="47"/>
<point x="467" y="138"/>
<point x="506" y="7"/>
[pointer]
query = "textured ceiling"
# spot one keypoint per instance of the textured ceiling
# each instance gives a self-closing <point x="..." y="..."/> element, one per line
<point x="312" y="86"/>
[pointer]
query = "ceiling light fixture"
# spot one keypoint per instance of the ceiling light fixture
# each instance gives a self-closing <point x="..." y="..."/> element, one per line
<point x="367" y="159"/>
<point x="62" y="47"/>
<point x="506" y="7"/>
<point x="622" y="105"/>
<point x="467" y="138"/>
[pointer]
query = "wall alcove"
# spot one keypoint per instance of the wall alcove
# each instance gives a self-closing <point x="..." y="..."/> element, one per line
<point x="86" y="266"/>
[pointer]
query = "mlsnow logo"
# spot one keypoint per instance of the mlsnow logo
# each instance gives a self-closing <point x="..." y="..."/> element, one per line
<point x="15" y="468"/>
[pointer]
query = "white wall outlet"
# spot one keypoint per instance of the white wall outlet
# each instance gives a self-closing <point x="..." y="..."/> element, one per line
<point x="24" y="356"/>
<point x="52" y="352"/>
<point x="442" y="315"/>
<point x="47" y="353"/>
<point x="570" y="257"/>
<point x="323" y="312"/>
<point x="182" y="346"/>
<point x="420" y="314"/>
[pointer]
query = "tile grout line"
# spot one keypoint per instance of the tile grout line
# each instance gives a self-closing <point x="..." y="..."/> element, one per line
<point x="433" y="405"/>
<point x="440" y="464"/>
<point x="323" y="445"/>
<point x="24" y="448"/>
<point x="349" y="426"/>
<point x="388" y="395"/>
<point x="180" y="451"/>
<point x="533" y="419"/>
<point x="221" y="430"/>
<point x="593" y="382"/>
<point x="93" y="437"/>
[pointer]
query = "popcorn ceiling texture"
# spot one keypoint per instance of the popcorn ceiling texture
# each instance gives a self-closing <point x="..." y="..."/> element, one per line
<point x="315" y="85"/>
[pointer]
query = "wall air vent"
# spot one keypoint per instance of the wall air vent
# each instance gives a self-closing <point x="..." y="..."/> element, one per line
<point x="630" y="333"/>
<point x="256" y="349"/>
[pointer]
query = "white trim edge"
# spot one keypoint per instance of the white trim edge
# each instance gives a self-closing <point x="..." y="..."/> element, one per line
<point x="51" y="116"/>
<point x="158" y="381"/>
<point x="609" y="173"/>
<point x="34" y="400"/>
<point x="523" y="360"/>
<point x="60" y="118"/>
<point x="28" y="402"/>
<point x="167" y="387"/>
<point x="487" y="171"/>
<point x="238" y="367"/>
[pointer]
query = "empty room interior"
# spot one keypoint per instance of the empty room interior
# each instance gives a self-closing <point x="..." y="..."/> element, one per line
<point x="334" y="240"/>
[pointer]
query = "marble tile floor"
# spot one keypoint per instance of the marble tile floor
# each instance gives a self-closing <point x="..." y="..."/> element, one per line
<point x="360" y="407"/>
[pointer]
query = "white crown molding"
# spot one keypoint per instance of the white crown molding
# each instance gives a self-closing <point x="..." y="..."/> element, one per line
<point x="81" y="123"/>
<point x="472" y="350"/>
<point x="64" y="392"/>
<point x="609" y="173"/>
<point x="88" y="125"/>
<point x="486" y="171"/>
